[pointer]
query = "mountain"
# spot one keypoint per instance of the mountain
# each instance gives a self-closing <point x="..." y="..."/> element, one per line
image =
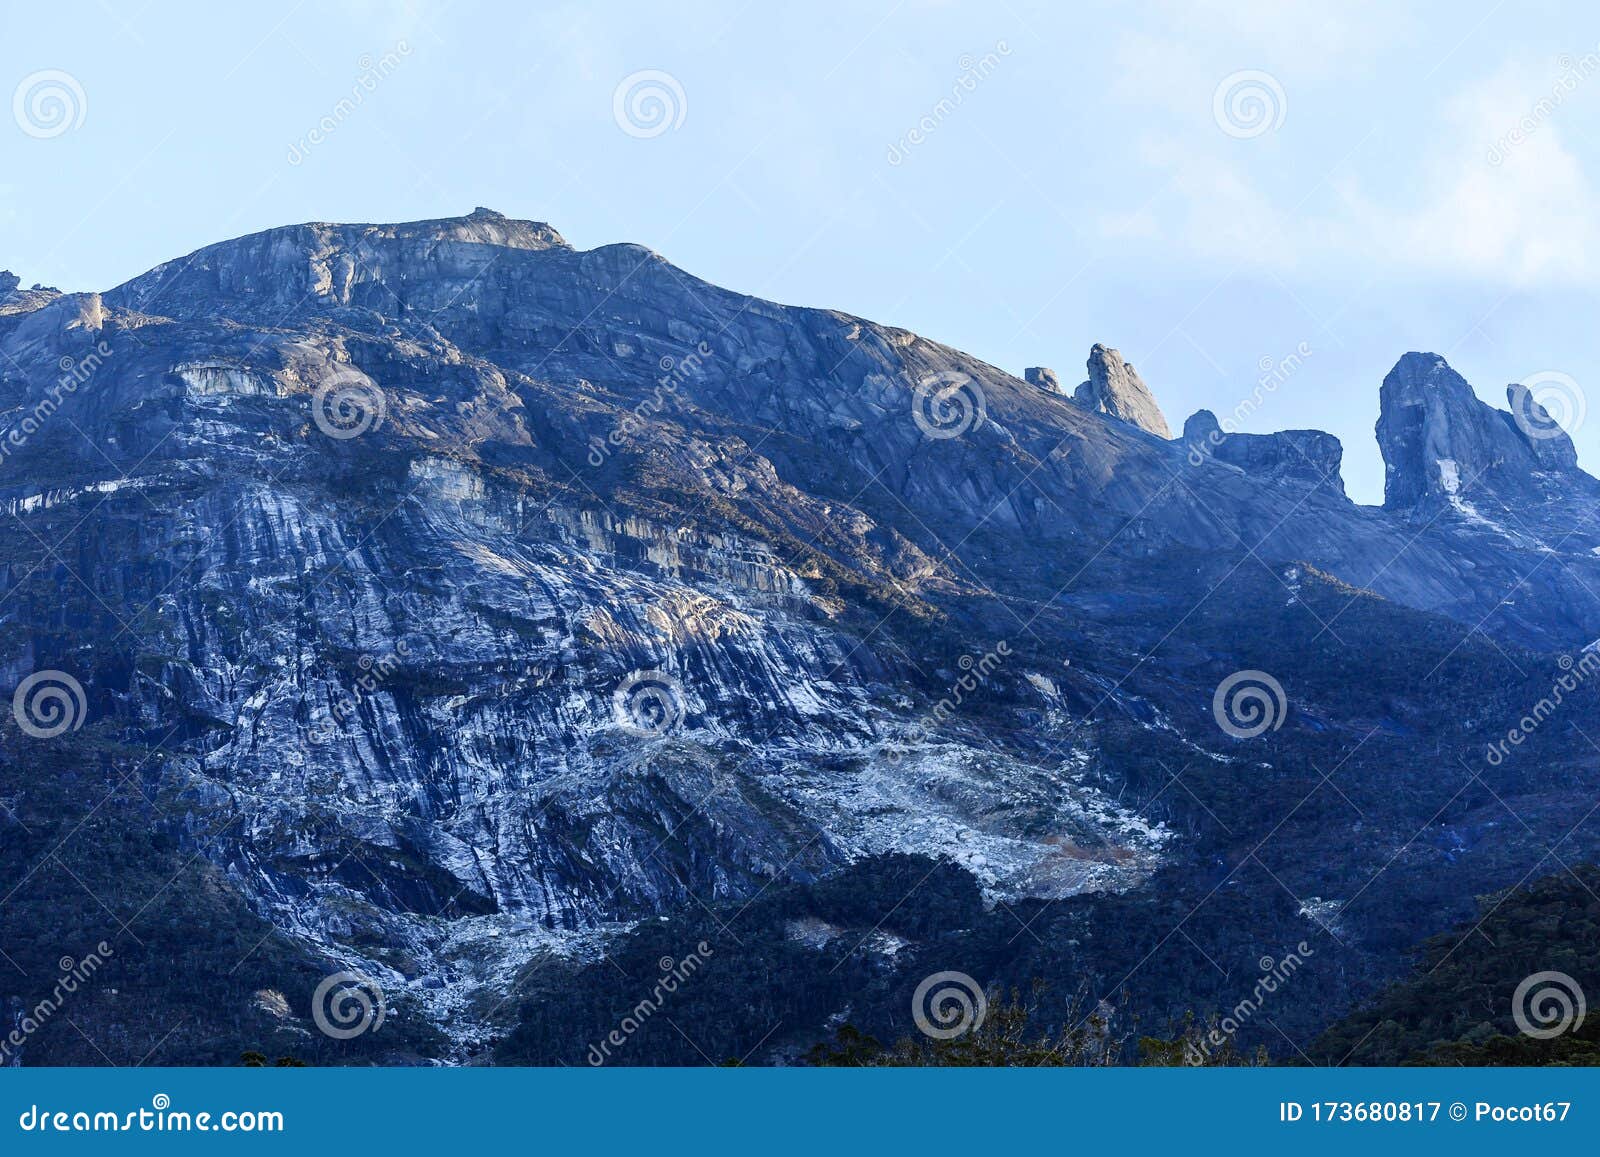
<point x="467" y="610"/>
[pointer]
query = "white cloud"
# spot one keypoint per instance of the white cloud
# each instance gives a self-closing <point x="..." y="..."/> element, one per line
<point x="1528" y="219"/>
<point x="1488" y="190"/>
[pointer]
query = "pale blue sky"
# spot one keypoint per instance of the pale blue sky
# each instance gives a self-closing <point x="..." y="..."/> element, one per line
<point x="1081" y="190"/>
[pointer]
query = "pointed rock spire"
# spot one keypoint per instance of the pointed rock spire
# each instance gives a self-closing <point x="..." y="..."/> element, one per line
<point x="1550" y="444"/>
<point x="1439" y="439"/>
<point x="1114" y="389"/>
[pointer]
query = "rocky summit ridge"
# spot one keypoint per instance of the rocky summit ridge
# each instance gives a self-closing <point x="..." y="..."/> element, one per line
<point x="461" y="600"/>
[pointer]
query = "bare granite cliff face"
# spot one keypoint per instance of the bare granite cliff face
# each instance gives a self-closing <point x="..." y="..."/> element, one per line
<point x="1307" y="457"/>
<point x="1436" y="437"/>
<point x="817" y="398"/>
<point x="480" y="597"/>
<point x="1116" y="390"/>
<point x="1500" y="483"/>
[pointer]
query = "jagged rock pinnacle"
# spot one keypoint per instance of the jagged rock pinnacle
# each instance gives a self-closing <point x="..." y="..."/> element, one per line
<point x="1116" y="390"/>
<point x="1438" y="439"/>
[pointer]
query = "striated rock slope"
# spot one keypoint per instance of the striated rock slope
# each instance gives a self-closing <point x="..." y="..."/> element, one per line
<point x="478" y="596"/>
